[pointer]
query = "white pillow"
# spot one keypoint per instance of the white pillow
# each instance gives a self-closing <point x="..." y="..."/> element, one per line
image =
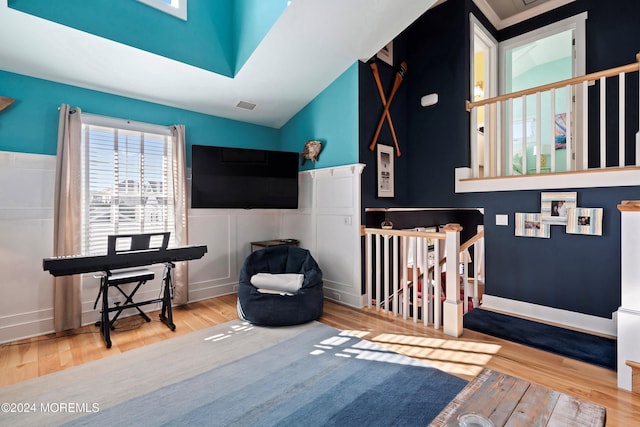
<point x="269" y="291"/>
<point x="287" y="282"/>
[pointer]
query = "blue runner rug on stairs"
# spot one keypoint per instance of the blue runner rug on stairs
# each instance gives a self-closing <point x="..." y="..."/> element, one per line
<point x="593" y="349"/>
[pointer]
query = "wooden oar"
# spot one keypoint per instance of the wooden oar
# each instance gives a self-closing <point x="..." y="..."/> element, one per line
<point x="5" y="102"/>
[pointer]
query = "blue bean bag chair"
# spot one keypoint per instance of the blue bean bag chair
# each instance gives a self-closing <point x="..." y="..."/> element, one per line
<point x="286" y="302"/>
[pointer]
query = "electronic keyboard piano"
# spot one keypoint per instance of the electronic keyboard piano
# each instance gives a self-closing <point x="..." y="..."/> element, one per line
<point x="78" y="264"/>
<point x="68" y="265"/>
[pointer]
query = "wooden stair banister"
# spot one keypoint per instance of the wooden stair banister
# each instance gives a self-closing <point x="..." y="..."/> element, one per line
<point x="629" y="68"/>
<point x="635" y="375"/>
<point x="463" y="247"/>
<point x="466" y="245"/>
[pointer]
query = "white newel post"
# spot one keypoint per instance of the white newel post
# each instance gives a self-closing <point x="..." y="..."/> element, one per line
<point x="452" y="311"/>
<point x="629" y="311"/>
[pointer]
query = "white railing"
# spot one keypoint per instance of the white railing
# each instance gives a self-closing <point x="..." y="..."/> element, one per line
<point x="404" y="275"/>
<point x="545" y="129"/>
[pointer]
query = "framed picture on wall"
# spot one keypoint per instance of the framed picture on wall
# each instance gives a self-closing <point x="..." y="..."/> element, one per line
<point x="386" y="53"/>
<point x="386" y="181"/>
<point x="531" y="225"/>
<point x="585" y="221"/>
<point x="554" y="206"/>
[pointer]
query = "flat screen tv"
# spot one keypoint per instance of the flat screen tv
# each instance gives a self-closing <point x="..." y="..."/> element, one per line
<point x="243" y="178"/>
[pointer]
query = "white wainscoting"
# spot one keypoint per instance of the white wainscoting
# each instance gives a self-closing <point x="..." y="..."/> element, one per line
<point x="228" y="234"/>
<point x="26" y="227"/>
<point x="327" y="223"/>
<point x="629" y="310"/>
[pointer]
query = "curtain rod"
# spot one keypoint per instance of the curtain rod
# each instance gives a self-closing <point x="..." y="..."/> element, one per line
<point x="98" y="119"/>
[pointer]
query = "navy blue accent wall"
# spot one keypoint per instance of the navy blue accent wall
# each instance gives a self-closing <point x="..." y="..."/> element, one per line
<point x="438" y="51"/>
<point x="370" y="111"/>
<point x="571" y="272"/>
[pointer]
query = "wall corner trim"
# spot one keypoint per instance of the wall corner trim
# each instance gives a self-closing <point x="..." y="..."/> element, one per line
<point x="592" y="178"/>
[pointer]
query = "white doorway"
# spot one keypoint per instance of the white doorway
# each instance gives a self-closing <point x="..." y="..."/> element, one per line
<point x="483" y="84"/>
<point x="546" y="55"/>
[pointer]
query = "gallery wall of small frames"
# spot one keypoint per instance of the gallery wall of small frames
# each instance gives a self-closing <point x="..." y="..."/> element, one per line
<point x="559" y="208"/>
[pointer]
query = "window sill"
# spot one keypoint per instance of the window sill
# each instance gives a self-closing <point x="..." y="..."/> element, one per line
<point x="611" y="177"/>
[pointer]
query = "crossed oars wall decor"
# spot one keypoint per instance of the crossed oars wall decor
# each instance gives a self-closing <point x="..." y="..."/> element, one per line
<point x="386" y="103"/>
<point x="5" y="102"/>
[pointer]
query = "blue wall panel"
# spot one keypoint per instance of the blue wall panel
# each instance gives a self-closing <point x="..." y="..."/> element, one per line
<point x="253" y="20"/>
<point x="30" y="125"/>
<point x="332" y="117"/>
<point x="205" y="40"/>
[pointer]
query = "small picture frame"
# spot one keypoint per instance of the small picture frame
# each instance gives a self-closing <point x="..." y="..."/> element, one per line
<point x="585" y="221"/>
<point x="386" y="53"/>
<point x="531" y="225"/>
<point x="554" y="206"/>
<point x="386" y="178"/>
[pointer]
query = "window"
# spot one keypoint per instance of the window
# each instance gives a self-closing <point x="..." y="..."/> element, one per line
<point x="125" y="180"/>
<point x="177" y="8"/>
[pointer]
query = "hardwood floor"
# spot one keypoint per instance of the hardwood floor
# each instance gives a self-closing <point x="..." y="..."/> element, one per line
<point x="464" y="357"/>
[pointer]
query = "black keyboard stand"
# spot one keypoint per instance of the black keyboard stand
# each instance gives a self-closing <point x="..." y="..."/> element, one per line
<point x="109" y="280"/>
<point x="166" y="315"/>
<point x="134" y="251"/>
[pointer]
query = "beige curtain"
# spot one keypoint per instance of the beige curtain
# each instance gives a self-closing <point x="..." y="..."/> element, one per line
<point x="179" y="180"/>
<point x="67" y="290"/>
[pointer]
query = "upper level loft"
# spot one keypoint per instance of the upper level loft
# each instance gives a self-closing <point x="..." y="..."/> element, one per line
<point x="557" y="135"/>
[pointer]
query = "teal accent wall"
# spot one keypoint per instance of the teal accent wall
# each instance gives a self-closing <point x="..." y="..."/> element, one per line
<point x="332" y="117"/>
<point x="205" y="40"/>
<point x="253" y="20"/>
<point x="30" y="125"/>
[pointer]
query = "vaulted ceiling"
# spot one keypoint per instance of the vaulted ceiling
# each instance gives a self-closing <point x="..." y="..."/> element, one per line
<point x="309" y="46"/>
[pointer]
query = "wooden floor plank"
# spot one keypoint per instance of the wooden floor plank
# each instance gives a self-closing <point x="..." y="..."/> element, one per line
<point x="465" y="356"/>
<point x="536" y="405"/>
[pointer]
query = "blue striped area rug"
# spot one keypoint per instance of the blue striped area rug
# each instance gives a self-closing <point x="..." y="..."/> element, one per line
<point x="593" y="349"/>
<point x="240" y="375"/>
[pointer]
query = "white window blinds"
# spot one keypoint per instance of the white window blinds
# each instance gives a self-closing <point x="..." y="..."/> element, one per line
<point x="125" y="180"/>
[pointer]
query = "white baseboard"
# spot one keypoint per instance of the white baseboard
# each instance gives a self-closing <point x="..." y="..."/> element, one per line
<point x="344" y="298"/>
<point x="204" y="293"/>
<point x="26" y="325"/>
<point x="567" y="318"/>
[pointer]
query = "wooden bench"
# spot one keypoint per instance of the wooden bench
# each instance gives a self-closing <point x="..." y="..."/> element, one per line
<point x="508" y="400"/>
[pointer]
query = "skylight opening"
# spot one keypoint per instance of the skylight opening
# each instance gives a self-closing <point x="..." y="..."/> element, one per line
<point x="177" y="8"/>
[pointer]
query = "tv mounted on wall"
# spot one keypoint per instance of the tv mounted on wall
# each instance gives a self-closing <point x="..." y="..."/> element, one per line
<point x="243" y="178"/>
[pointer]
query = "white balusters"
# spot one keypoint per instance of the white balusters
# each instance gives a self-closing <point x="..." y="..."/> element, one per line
<point x="603" y="122"/>
<point x="621" y="120"/>
<point x="499" y="153"/>
<point x="404" y="275"/>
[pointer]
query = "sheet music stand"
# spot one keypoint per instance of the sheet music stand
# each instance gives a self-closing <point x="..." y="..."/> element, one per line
<point x="123" y="244"/>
